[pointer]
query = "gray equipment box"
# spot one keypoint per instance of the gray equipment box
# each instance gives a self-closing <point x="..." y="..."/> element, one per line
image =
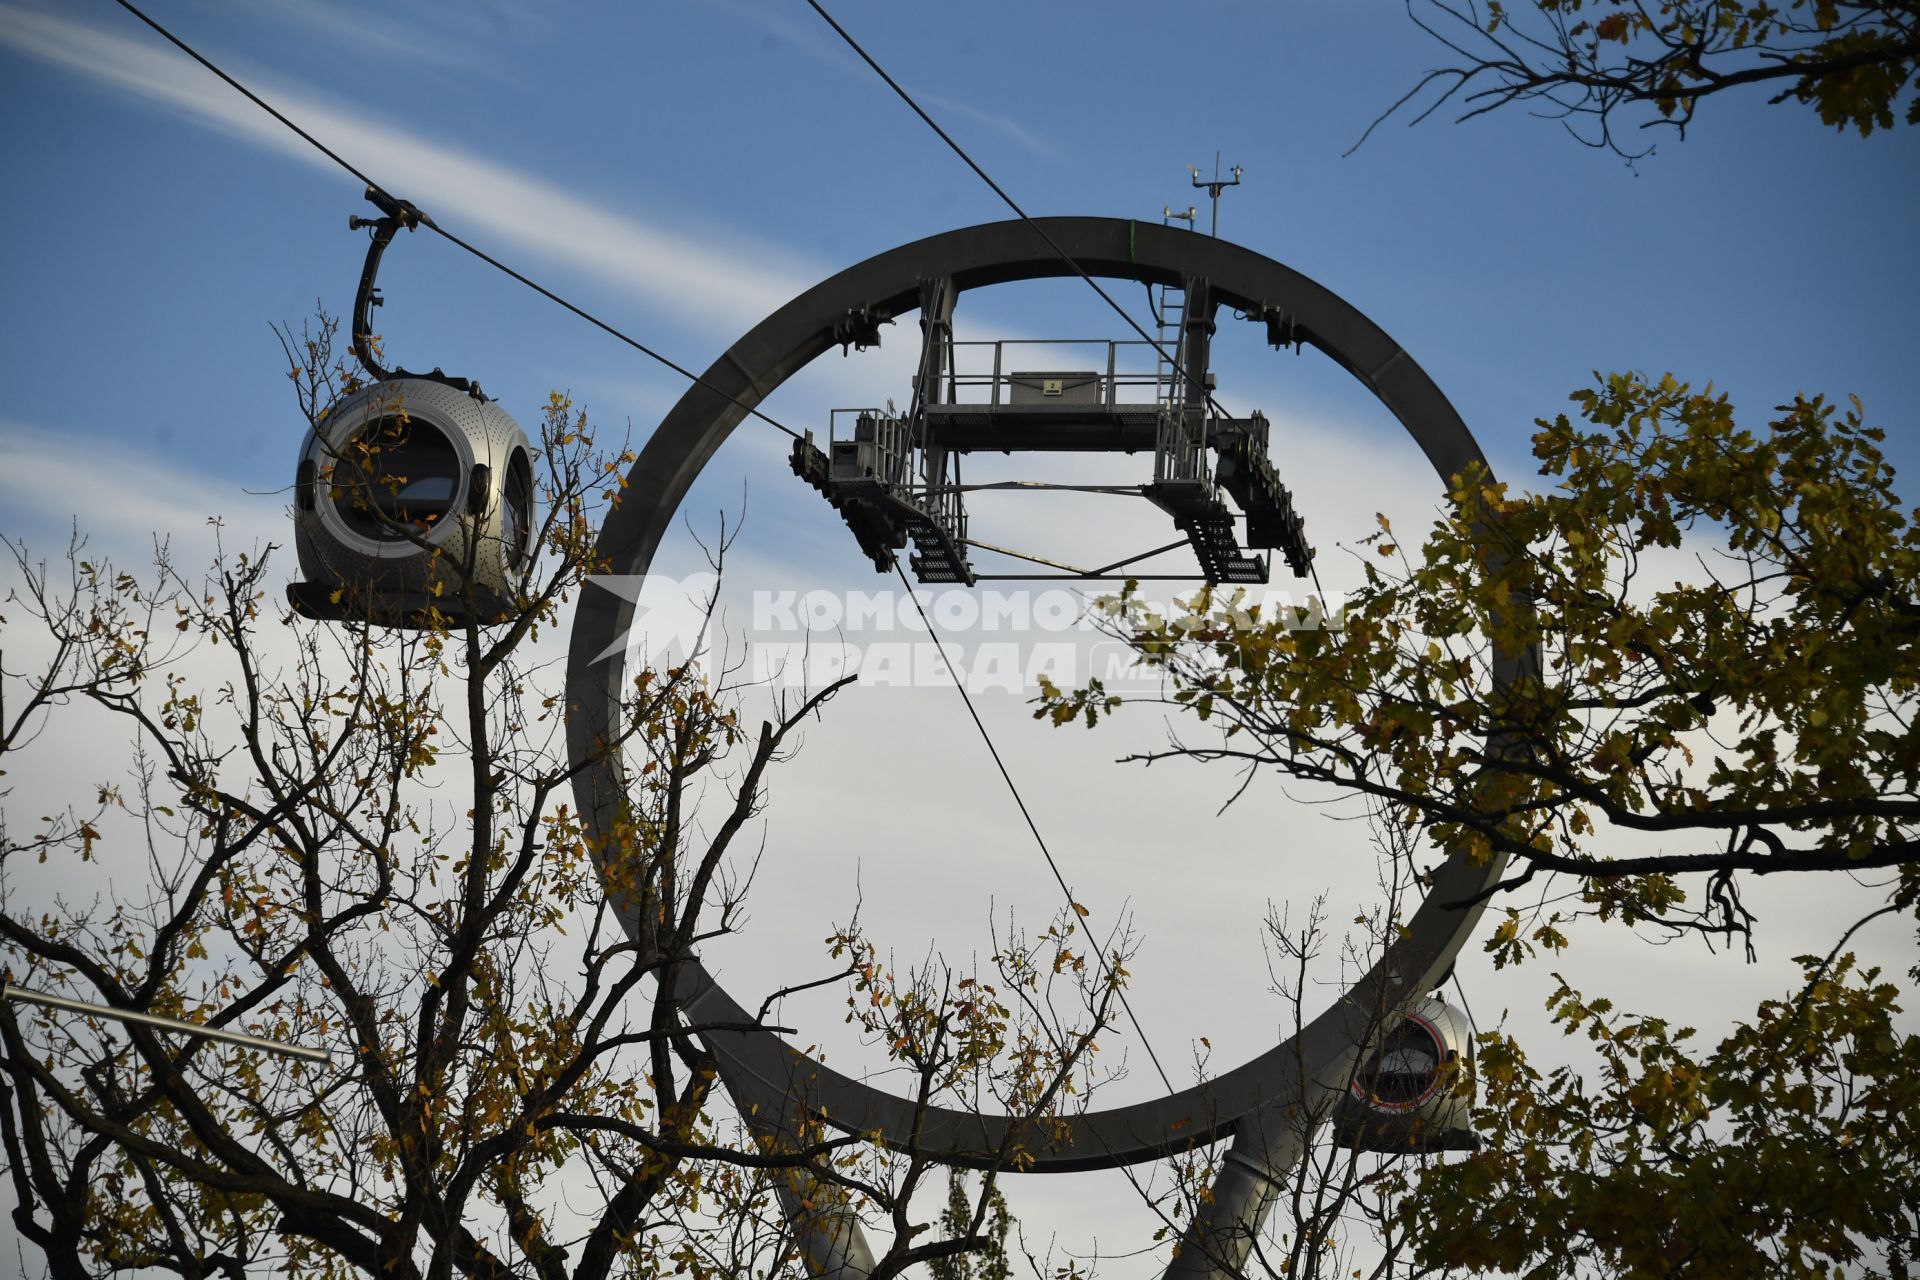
<point x="876" y="451"/>
<point x="1055" y="388"/>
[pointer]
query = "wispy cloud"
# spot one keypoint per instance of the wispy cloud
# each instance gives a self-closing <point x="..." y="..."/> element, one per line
<point x="727" y="285"/>
<point x="48" y="488"/>
<point x="369" y="32"/>
<point x="815" y="42"/>
<point x="1004" y="124"/>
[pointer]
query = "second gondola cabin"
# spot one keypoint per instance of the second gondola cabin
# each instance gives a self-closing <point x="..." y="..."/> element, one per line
<point x="1404" y="1097"/>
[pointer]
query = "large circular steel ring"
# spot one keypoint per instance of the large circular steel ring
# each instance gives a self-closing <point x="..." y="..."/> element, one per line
<point x="759" y="1064"/>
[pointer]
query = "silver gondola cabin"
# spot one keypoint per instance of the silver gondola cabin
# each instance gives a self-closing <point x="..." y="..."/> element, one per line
<point x="411" y="498"/>
<point x="1403" y="1097"/>
<point x="413" y="501"/>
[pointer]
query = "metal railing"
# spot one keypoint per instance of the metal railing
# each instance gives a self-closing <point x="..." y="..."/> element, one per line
<point x="1180" y="446"/>
<point x="983" y="374"/>
<point x="884" y="442"/>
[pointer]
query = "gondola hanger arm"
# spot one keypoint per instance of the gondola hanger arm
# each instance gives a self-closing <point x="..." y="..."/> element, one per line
<point x="395" y="215"/>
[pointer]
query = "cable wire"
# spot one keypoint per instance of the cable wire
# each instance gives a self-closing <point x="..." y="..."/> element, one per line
<point x="449" y="236"/>
<point x="998" y="190"/>
<point x="1019" y="800"/>
<point x="547" y="293"/>
<point x="1179" y="373"/>
<point x="645" y="350"/>
<point x="1122" y="312"/>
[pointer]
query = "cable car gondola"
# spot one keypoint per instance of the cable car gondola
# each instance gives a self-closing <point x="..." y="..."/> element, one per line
<point x="1403" y="1099"/>
<point x="413" y="499"/>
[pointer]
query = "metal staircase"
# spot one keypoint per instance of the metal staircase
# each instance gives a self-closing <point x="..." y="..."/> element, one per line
<point x="1245" y="471"/>
<point x="870" y="480"/>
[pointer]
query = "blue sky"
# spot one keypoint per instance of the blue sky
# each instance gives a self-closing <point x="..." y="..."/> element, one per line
<point x="682" y="169"/>
<point x="150" y="240"/>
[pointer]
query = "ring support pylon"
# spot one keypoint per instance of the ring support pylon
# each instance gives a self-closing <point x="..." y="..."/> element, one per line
<point x="1258" y="1105"/>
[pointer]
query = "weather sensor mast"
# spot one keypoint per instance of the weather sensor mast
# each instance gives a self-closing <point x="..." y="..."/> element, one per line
<point x="1214" y="186"/>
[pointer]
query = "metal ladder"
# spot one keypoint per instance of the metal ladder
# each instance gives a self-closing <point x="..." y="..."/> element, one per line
<point x="1171" y="314"/>
<point x="1178" y="451"/>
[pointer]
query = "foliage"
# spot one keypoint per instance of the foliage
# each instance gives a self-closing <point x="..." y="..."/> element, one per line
<point x="1791" y="1149"/>
<point x="1756" y="719"/>
<point x="966" y="1214"/>
<point x="1751" y="714"/>
<point x="1585" y="62"/>
<point x="359" y="839"/>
